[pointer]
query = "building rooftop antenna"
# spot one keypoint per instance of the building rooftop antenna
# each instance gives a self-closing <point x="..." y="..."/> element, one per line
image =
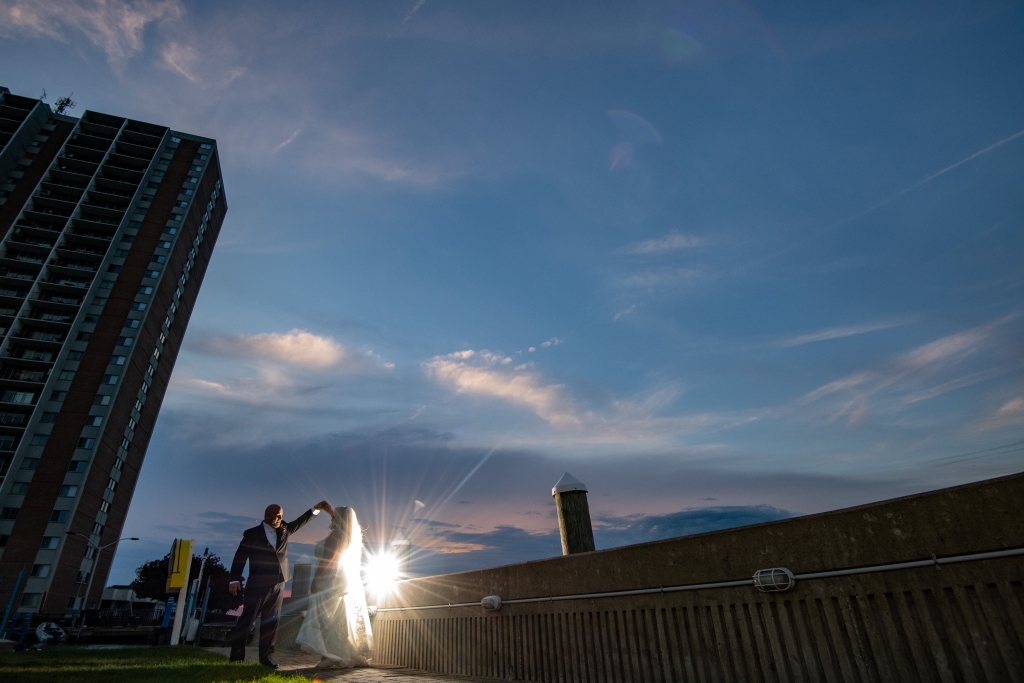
<point x="64" y="104"/>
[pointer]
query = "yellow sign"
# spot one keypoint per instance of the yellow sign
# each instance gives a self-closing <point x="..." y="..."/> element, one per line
<point x="180" y="563"/>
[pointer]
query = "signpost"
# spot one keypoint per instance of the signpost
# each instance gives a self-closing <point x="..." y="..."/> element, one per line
<point x="177" y="580"/>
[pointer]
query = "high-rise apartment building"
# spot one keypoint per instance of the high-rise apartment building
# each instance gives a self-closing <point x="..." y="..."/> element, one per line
<point x="106" y="228"/>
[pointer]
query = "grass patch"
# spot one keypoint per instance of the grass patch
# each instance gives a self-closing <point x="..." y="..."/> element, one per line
<point x="133" y="664"/>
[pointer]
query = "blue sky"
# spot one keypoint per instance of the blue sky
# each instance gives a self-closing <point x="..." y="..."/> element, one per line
<point x="722" y="261"/>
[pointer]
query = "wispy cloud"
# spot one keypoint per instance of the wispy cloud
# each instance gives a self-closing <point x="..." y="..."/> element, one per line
<point x="290" y="140"/>
<point x="673" y="241"/>
<point x="840" y="333"/>
<point x="910" y="378"/>
<point x="115" y="26"/>
<point x="661" y="278"/>
<point x="492" y="375"/>
<point x="297" y="346"/>
<point x="202" y="70"/>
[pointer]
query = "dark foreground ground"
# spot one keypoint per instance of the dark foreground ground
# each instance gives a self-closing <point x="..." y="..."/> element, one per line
<point x="114" y="664"/>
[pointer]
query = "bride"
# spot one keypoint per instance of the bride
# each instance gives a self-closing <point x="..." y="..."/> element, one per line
<point x="336" y="625"/>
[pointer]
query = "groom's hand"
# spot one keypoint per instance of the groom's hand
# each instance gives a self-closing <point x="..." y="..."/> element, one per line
<point x="325" y="506"/>
<point x="234" y="587"/>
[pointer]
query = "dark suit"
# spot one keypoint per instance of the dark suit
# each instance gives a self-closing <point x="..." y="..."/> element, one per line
<point x="268" y="572"/>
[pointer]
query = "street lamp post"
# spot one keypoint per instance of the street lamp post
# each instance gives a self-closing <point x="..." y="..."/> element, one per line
<point x="92" y="573"/>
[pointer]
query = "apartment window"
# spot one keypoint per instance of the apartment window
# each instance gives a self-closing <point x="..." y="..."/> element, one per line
<point x="153" y="274"/>
<point x="94" y="421"/>
<point x="112" y="485"/>
<point x="120" y="253"/>
<point x="90" y="552"/>
<point x="171" y="231"/>
<point x="40" y="439"/>
<point x="104" y="506"/>
<point x="159" y="259"/>
<point x="135" y="225"/>
<point x="124" y="341"/>
<point x="140" y="211"/>
<point x="29" y="463"/>
<point x="7" y="418"/>
<point x="156" y="354"/>
<point x="167" y="322"/>
<point x="101" y="400"/>
<point x="49" y="542"/>
<point x="176" y="217"/>
<point x="84" y="336"/>
<point x="66" y="374"/>
<point x="78" y="465"/>
<point x="144" y="388"/>
<point x="191" y="179"/>
<point x="181" y="204"/>
<point x="92" y="318"/>
<point x="205" y="145"/>
<point x="138" y="306"/>
<point x="48" y="417"/>
<point x="60" y="516"/>
<point x="138" y="405"/>
<point x="20" y="488"/>
<point x="99" y="300"/>
<point x="145" y="289"/>
<point x="68" y="491"/>
<point x="31" y="599"/>
<point x="125" y="443"/>
<point x="11" y="396"/>
<point x="147" y="197"/>
<point x="7" y="442"/>
<point x="83" y="577"/>
<point x="150" y="370"/>
<point x="9" y="513"/>
<point x="132" y="323"/>
<point x="107" y="284"/>
<point x="175" y="139"/>
<point x="97" y="529"/>
<point x="131" y="423"/>
<point x="117" y="359"/>
<point x="86" y="442"/>
<point x="118" y="464"/>
<point x="112" y="268"/>
<point x="187" y="191"/>
<point x="58" y="395"/>
<point x="40" y="571"/>
<point x="153" y="186"/>
<point x="202" y="157"/>
<point x="3" y="540"/>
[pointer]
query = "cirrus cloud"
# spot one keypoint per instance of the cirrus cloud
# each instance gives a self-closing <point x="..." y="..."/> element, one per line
<point x="115" y="26"/>
<point x="492" y="375"/>
<point x="297" y="347"/>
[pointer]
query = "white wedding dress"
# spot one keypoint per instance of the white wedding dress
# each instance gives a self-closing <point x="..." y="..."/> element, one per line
<point x="337" y="625"/>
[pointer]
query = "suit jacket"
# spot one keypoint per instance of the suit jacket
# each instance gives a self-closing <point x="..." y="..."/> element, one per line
<point x="268" y="565"/>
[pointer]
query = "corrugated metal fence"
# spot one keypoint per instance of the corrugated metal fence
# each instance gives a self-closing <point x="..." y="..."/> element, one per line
<point x="919" y="625"/>
<point x="914" y="601"/>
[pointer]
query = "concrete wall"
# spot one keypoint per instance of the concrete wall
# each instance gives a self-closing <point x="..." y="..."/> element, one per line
<point x="957" y="622"/>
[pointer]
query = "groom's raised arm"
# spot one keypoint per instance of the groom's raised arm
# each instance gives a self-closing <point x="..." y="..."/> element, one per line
<point x="301" y="521"/>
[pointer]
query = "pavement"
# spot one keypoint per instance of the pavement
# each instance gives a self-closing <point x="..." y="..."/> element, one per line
<point x="293" y="661"/>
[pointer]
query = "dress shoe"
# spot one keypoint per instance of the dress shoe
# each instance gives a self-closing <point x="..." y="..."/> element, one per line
<point x="270" y="663"/>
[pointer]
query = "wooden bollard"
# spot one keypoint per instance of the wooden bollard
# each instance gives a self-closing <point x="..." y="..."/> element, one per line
<point x="570" y="496"/>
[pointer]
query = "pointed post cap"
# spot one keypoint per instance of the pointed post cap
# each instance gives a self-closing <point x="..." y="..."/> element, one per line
<point x="568" y="483"/>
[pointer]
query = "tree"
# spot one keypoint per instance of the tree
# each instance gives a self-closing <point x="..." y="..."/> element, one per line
<point x="151" y="581"/>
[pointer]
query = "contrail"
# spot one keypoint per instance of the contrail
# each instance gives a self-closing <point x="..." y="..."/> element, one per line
<point x="414" y="10"/>
<point x="932" y="177"/>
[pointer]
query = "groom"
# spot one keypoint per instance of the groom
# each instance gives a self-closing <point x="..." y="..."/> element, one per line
<point x="265" y="547"/>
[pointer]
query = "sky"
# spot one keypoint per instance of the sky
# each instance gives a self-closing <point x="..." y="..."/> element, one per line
<point x="724" y="262"/>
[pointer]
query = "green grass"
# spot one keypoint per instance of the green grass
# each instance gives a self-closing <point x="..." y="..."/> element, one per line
<point x="133" y="664"/>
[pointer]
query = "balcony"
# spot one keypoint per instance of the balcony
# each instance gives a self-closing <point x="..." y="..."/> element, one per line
<point x="18" y="374"/>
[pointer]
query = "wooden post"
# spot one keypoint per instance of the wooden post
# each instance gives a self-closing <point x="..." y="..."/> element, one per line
<point x="570" y="496"/>
<point x="300" y="579"/>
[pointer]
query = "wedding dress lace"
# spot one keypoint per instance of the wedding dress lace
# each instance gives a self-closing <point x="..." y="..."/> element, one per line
<point x="337" y="625"/>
